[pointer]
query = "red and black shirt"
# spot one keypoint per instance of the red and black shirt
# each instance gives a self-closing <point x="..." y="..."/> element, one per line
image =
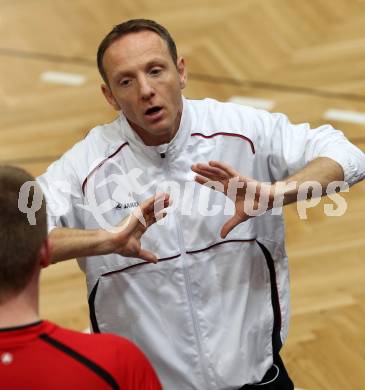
<point x="43" y="355"/>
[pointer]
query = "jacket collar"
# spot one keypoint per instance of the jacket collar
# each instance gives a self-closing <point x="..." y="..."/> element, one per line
<point x="171" y="149"/>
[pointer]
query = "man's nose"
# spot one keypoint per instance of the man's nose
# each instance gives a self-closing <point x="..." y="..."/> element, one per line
<point x="146" y="89"/>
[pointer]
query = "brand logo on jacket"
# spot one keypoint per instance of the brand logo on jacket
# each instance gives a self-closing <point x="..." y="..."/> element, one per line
<point x="127" y="205"/>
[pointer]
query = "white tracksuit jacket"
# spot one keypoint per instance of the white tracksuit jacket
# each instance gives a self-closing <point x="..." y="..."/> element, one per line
<point x="210" y="313"/>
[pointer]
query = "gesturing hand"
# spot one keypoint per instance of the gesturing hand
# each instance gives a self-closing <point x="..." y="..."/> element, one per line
<point x="250" y="197"/>
<point x="126" y="237"/>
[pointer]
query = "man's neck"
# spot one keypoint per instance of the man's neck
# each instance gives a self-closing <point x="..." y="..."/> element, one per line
<point x="153" y="140"/>
<point x="21" y="309"/>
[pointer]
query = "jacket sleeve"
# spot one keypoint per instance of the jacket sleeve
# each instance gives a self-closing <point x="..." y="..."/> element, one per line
<point x="63" y="192"/>
<point x="288" y="148"/>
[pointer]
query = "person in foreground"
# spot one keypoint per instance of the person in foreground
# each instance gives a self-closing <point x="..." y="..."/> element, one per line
<point x="35" y="353"/>
<point x="213" y="312"/>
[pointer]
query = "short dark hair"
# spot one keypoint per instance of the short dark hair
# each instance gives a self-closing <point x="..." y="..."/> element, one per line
<point x="20" y="241"/>
<point x="132" y="26"/>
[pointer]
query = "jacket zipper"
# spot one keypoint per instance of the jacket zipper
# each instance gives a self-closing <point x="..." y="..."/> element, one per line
<point x="188" y="287"/>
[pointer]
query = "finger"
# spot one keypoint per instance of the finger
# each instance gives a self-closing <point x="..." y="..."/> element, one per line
<point x="157" y="212"/>
<point x="209" y="177"/>
<point x="214" y="185"/>
<point x="211" y="172"/>
<point x="147" y="256"/>
<point x="231" y="224"/>
<point x="134" y="222"/>
<point x="138" y="216"/>
<point x="227" y="169"/>
<point x="162" y="214"/>
<point x="127" y="225"/>
<point x="148" y="209"/>
<point x="150" y="220"/>
<point x="148" y="206"/>
<point x="140" y="230"/>
<point x="162" y="201"/>
<point x="201" y="180"/>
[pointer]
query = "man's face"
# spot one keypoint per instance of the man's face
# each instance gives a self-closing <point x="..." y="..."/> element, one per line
<point x="145" y="84"/>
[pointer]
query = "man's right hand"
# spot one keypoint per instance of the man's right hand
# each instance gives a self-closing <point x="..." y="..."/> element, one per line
<point x="124" y="239"/>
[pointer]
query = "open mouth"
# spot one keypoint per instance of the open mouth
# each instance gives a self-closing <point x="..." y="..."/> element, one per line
<point x="153" y="111"/>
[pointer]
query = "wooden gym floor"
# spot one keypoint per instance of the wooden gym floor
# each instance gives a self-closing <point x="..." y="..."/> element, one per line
<point x="304" y="57"/>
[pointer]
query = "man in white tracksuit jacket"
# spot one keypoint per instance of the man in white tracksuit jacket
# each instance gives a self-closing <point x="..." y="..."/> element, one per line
<point x="213" y="312"/>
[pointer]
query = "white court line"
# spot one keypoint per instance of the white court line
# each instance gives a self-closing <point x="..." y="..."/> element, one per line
<point x="264" y="104"/>
<point x="63" y="78"/>
<point x="345" y="116"/>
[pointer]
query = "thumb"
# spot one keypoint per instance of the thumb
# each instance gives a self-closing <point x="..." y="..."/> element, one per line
<point x="231" y="224"/>
<point x="147" y="255"/>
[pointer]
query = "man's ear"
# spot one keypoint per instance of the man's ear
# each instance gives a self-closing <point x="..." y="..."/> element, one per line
<point x="109" y="97"/>
<point x="45" y="258"/>
<point x="181" y="68"/>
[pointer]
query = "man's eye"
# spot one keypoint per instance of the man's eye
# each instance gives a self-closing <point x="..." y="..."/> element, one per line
<point x="155" y="71"/>
<point x="125" y="82"/>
